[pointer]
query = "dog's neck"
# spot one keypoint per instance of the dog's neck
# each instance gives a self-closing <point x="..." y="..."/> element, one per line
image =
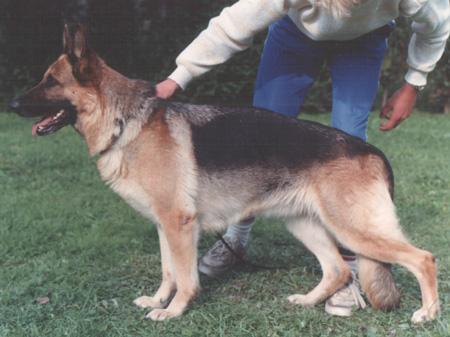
<point x="126" y="105"/>
<point x="129" y="116"/>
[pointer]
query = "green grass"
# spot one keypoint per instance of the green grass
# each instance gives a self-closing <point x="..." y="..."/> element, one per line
<point x="65" y="235"/>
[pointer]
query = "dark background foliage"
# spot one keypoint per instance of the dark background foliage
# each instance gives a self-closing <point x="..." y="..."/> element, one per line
<point x="141" y="38"/>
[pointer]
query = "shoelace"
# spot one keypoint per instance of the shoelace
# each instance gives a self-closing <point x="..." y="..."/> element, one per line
<point x="354" y="289"/>
<point x="219" y="249"/>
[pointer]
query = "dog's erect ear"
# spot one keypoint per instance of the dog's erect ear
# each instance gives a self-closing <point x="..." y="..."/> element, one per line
<point x="84" y="62"/>
<point x="74" y="40"/>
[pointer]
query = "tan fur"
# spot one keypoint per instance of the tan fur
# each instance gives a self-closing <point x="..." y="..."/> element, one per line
<point x="330" y="195"/>
<point x="357" y="210"/>
<point x="146" y="155"/>
<point x="158" y="189"/>
<point x="378" y="284"/>
<point x="335" y="272"/>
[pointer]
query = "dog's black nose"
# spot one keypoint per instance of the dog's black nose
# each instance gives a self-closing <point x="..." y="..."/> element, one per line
<point x="14" y="104"/>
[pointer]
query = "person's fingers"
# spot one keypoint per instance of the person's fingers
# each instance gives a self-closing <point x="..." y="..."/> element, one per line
<point x="393" y="121"/>
<point x="389" y="125"/>
<point x="386" y="110"/>
<point x="159" y="91"/>
<point x="164" y="91"/>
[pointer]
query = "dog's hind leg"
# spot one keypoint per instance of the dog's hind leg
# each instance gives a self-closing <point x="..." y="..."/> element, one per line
<point x="419" y="262"/>
<point x="362" y="218"/>
<point x="165" y="291"/>
<point x="181" y="231"/>
<point x="335" y="272"/>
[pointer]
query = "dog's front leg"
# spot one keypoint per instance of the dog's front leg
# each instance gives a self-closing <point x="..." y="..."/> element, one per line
<point x="162" y="296"/>
<point x="181" y="232"/>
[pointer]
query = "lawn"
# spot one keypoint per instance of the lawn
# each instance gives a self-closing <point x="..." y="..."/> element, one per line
<point x="64" y="235"/>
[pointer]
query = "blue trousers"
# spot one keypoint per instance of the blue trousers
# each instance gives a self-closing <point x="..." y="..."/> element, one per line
<point x="291" y="62"/>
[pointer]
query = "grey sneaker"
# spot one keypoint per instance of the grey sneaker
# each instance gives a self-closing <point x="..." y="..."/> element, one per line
<point x="346" y="299"/>
<point x="218" y="259"/>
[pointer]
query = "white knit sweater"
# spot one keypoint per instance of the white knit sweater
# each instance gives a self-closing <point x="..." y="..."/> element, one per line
<point x="233" y="29"/>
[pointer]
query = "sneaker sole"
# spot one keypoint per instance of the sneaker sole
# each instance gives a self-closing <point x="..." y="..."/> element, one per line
<point x="338" y="311"/>
<point x="211" y="271"/>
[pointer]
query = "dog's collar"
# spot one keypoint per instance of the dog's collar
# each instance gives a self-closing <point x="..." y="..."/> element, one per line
<point x="119" y="127"/>
<point x="157" y="106"/>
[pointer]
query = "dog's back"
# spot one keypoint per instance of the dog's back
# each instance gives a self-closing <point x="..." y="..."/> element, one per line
<point x="261" y="152"/>
<point x="232" y="138"/>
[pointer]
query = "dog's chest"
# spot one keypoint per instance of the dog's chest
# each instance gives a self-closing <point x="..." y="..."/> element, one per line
<point x="133" y="193"/>
<point x="113" y="171"/>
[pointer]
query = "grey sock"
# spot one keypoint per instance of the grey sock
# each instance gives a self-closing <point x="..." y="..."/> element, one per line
<point x="241" y="231"/>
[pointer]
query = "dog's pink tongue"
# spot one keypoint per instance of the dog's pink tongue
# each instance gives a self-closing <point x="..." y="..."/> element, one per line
<point x="36" y="125"/>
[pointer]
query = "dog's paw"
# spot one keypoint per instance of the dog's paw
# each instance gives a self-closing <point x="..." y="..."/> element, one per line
<point x="424" y="315"/>
<point x="161" y="314"/>
<point x="303" y="300"/>
<point x="148" y="302"/>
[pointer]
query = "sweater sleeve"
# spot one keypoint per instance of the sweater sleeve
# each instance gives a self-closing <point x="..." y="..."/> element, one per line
<point x="230" y="32"/>
<point x="431" y="27"/>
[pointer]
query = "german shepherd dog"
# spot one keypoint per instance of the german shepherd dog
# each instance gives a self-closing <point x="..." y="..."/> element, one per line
<point x="193" y="167"/>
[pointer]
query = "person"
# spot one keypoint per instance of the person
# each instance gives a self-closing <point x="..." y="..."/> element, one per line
<point x="350" y="36"/>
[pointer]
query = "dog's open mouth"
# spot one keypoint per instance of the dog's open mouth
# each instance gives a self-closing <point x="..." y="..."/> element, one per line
<point x="53" y="123"/>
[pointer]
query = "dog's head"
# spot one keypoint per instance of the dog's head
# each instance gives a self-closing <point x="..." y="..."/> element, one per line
<point x="67" y="89"/>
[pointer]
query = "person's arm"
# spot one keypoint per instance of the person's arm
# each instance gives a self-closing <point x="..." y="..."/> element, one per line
<point x="230" y="32"/>
<point x="431" y="28"/>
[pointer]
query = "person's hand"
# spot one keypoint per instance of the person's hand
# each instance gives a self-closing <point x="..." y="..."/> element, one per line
<point x="166" y="88"/>
<point x="398" y="107"/>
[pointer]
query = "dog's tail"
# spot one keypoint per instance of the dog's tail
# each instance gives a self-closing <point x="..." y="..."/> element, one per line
<point x="378" y="284"/>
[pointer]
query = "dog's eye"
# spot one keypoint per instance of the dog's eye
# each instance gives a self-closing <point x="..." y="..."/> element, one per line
<point x="51" y="81"/>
